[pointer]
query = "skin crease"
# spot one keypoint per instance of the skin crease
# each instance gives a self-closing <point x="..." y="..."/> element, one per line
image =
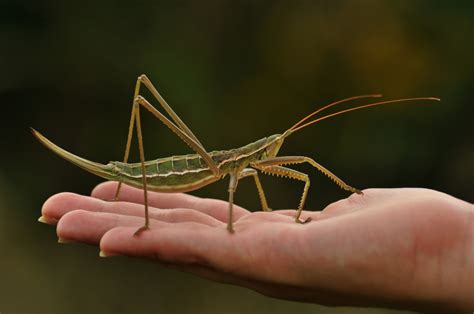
<point x="403" y="248"/>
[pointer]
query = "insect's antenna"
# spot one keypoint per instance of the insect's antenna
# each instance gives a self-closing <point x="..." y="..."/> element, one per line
<point x="294" y="129"/>
<point x="330" y="105"/>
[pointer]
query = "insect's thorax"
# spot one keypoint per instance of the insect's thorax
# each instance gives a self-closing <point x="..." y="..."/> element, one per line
<point x="237" y="159"/>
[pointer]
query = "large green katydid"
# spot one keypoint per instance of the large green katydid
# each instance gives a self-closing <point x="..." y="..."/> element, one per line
<point x="190" y="172"/>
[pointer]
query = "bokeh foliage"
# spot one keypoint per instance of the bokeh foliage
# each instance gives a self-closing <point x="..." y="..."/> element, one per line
<point x="235" y="71"/>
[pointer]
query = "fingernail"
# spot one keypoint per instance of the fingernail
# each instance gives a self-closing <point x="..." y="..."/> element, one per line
<point x="47" y="220"/>
<point x="107" y="254"/>
<point x="64" y="241"/>
<point x="103" y="254"/>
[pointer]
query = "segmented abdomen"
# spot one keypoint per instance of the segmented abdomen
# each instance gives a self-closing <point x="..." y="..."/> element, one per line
<point x="173" y="174"/>
<point x="186" y="172"/>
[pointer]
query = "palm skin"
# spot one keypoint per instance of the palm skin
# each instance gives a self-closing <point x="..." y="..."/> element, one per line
<point x="402" y="248"/>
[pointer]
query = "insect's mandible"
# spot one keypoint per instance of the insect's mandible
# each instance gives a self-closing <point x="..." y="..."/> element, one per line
<point x="190" y="172"/>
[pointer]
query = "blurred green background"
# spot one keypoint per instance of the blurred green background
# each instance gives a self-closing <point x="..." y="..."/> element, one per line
<point x="234" y="71"/>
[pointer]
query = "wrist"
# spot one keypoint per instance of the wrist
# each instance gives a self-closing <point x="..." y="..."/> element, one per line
<point x="469" y="289"/>
<point x="461" y="292"/>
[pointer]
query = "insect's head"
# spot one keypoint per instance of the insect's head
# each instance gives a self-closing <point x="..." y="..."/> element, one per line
<point x="274" y="144"/>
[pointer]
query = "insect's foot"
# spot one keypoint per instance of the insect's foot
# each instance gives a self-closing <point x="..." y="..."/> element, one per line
<point x="230" y="228"/>
<point x="140" y="230"/>
<point x="303" y="221"/>
<point x="353" y="190"/>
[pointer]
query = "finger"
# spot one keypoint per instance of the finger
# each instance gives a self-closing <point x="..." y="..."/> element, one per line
<point x="181" y="244"/>
<point x="89" y="227"/>
<point x="62" y="203"/>
<point x="215" y="208"/>
<point x="59" y="204"/>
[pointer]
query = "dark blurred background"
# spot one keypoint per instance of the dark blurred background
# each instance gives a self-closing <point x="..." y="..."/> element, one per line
<point x="234" y="71"/>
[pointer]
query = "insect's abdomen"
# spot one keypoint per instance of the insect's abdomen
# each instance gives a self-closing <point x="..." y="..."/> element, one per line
<point x="173" y="174"/>
<point x="187" y="172"/>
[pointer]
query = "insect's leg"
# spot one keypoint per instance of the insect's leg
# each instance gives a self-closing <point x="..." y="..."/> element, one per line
<point x="180" y="133"/>
<point x="142" y="162"/>
<point x="149" y="85"/>
<point x="252" y="172"/>
<point x="232" y="187"/>
<point x="143" y="79"/>
<point x="289" y="160"/>
<point x="130" y="133"/>
<point x="292" y="174"/>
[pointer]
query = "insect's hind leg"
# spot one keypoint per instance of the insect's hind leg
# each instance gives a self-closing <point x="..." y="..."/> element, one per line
<point x="136" y="108"/>
<point x="199" y="149"/>
<point x="130" y="133"/>
<point x="140" y="101"/>
<point x="181" y="128"/>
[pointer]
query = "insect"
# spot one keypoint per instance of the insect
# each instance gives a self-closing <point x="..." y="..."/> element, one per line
<point x="186" y="173"/>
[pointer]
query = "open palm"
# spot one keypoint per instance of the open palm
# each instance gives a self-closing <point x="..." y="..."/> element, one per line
<point x="410" y="248"/>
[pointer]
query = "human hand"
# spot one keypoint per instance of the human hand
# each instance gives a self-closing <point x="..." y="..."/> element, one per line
<point x="403" y="248"/>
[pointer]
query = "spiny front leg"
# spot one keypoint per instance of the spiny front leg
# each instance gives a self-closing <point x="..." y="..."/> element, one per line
<point x="291" y="160"/>
<point x="142" y="164"/>
<point x="292" y="174"/>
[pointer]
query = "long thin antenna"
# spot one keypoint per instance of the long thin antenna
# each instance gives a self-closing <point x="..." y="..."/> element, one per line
<point x="333" y="104"/>
<point x="360" y="107"/>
